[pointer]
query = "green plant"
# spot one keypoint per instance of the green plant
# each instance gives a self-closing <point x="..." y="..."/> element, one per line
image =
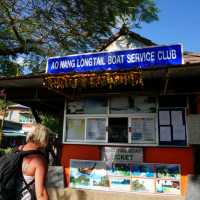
<point x="5" y="151"/>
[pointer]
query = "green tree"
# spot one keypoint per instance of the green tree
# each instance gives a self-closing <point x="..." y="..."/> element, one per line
<point x="52" y="122"/>
<point x="60" y="27"/>
<point x="8" y="66"/>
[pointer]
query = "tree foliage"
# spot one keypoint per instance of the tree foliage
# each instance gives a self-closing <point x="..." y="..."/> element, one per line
<point x="60" y="27"/>
<point x="52" y="122"/>
<point x="8" y="67"/>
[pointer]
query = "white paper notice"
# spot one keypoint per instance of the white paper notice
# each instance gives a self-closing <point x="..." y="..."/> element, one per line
<point x="179" y="132"/>
<point x="165" y="134"/>
<point x="164" y="117"/>
<point x="177" y="118"/>
<point x="149" y="129"/>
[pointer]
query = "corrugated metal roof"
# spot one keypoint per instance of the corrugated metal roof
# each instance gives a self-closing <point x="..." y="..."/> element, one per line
<point x="18" y="106"/>
<point x="13" y="133"/>
<point x="190" y="58"/>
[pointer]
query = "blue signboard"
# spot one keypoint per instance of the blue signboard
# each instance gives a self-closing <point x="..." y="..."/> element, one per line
<point x="144" y="58"/>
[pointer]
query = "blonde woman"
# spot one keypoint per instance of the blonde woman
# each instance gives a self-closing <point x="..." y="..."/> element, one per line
<point x="34" y="167"/>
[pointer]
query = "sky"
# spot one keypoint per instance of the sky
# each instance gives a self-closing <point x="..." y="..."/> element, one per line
<point x="179" y="22"/>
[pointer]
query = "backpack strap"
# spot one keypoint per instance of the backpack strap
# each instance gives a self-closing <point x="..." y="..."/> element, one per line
<point x="31" y="152"/>
<point x="28" y="187"/>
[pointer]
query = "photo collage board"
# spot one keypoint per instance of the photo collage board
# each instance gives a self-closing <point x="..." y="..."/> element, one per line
<point x="126" y="176"/>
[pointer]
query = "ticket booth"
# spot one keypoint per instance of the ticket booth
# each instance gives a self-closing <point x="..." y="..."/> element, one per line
<point x="119" y="132"/>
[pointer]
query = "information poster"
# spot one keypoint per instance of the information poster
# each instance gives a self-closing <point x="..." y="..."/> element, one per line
<point x="120" y="183"/>
<point x="143" y="170"/>
<point x="119" y="169"/>
<point x="143" y="130"/>
<point x="168" y="186"/>
<point x="96" y="129"/>
<point x="133" y="104"/>
<point x="75" y="107"/>
<point x="170" y="171"/>
<point x="88" y="174"/>
<point x="142" y="185"/>
<point x="165" y="134"/>
<point x="137" y="127"/>
<point x="177" y="117"/>
<point x="145" y="104"/>
<point x="130" y="177"/>
<point x="172" y="126"/>
<point x="180" y="132"/>
<point x="164" y="117"/>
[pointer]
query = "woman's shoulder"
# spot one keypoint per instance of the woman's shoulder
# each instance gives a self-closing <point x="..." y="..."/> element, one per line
<point x="20" y="148"/>
<point x="38" y="159"/>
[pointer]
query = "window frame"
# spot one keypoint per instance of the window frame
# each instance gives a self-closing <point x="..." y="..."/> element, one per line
<point x="77" y="118"/>
<point x="146" y="115"/>
<point x="107" y="116"/>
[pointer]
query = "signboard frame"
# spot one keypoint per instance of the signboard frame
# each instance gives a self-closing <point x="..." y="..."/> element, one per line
<point x="142" y="58"/>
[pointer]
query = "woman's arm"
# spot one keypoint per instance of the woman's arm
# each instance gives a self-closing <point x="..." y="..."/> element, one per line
<point x="40" y="176"/>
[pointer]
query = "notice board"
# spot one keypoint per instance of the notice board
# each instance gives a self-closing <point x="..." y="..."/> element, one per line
<point x="172" y="126"/>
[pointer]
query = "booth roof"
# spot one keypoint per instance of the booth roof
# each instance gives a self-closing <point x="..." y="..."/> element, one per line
<point x="30" y="90"/>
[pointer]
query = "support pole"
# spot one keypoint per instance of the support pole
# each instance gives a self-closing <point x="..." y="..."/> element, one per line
<point x="35" y="114"/>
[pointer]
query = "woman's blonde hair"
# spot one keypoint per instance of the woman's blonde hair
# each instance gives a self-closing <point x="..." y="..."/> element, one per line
<point x="39" y="135"/>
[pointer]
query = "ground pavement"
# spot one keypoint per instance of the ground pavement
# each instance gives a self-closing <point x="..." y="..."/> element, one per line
<point x="71" y="194"/>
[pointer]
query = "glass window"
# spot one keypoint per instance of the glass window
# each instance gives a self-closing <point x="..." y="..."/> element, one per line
<point x="118" y="130"/>
<point x="119" y="105"/>
<point x="23" y="119"/>
<point x="75" y="129"/>
<point x="143" y="130"/>
<point x="96" y="129"/>
<point x="90" y="105"/>
<point x="145" y="104"/>
<point x="75" y="107"/>
<point x="131" y="104"/>
<point x="95" y="105"/>
<point x="117" y="119"/>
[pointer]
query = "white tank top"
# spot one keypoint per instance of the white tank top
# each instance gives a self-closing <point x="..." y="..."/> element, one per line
<point x="26" y="194"/>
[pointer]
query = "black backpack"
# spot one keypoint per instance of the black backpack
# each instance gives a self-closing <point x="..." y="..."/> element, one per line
<point x="11" y="173"/>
